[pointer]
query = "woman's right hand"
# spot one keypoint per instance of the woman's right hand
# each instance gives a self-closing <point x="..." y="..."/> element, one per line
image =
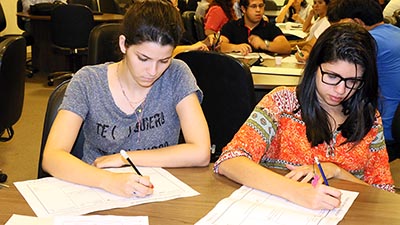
<point x="243" y="48"/>
<point x="318" y="197"/>
<point x="128" y="185"/>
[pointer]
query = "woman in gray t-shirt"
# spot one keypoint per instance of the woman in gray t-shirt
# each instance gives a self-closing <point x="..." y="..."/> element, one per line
<point x="139" y="104"/>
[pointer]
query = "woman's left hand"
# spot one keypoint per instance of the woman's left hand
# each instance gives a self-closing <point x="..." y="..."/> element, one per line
<point x="106" y="161"/>
<point x="306" y="172"/>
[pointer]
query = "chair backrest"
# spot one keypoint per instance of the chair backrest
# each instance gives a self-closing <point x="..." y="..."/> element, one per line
<point x="228" y="90"/>
<point x="12" y="81"/>
<point x="396" y="125"/>
<point x="20" y="21"/>
<point x="199" y="26"/>
<point x="53" y="104"/>
<point x="271" y="5"/>
<point x="190" y="35"/>
<point x="3" y="21"/>
<point x="109" y="6"/>
<point x="71" y="26"/>
<point x="92" y="4"/>
<point x="103" y="44"/>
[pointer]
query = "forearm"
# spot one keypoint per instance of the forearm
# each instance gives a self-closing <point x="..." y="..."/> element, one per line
<point x="307" y="23"/>
<point x="345" y="175"/>
<point x="251" y="174"/>
<point x="209" y="32"/>
<point x="67" y="167"/>
<point x="279" y="45"/>
<point x="181" y="155"/>
<point x="281" y="17"/>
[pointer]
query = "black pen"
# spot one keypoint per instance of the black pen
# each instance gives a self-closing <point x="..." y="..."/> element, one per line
<point x="218" y="36"/>
<point x="126" y="156"/>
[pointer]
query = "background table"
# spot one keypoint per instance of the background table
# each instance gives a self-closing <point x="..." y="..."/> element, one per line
<point x="372" y="206"/>
<point x="270" y="81"/>
<point x="43" y="57"/>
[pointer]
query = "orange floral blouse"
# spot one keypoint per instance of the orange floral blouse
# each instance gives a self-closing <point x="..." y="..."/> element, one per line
<point x="274" y="136"/>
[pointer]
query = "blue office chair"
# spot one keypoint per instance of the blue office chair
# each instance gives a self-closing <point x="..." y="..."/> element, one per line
<point x="228" y="89"/>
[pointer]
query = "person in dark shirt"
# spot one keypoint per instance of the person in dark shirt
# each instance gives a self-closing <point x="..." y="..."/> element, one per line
<point x="252" y="32"/>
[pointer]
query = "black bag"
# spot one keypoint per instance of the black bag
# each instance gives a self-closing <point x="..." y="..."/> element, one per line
<point x="44" y="9"/>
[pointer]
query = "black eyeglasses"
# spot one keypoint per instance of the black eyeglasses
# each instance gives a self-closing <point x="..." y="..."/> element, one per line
<point x="335" y="79"/>
<point x="255" y="6"/>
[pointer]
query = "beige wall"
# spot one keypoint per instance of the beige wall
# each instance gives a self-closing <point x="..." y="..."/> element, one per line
<point x="10" y="10"/>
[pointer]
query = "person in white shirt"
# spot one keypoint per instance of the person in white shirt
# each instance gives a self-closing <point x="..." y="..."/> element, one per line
<point x="294" y="11"/>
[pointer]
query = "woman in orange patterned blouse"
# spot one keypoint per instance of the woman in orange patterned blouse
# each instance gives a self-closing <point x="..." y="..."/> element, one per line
<point x="322" y="117"/>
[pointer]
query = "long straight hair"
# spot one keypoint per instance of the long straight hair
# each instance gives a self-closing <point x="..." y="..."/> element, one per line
<point x="351" y="43"/>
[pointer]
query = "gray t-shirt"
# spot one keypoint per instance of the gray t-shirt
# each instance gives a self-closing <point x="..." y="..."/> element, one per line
<point x="107" y="129"/>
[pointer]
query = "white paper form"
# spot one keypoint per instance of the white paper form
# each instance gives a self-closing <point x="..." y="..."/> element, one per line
<point x="54" y="197"/>
<point x="251" y="55"/>
<point x="276" y="70"/>
<point x="78" y="220"/>
<point x="247" y="206"/>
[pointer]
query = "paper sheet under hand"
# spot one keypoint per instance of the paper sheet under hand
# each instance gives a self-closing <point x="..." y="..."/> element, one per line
<point x="251" y="55"/>
<point x="78" y="220"/>
<point x="54" y="197"/>
<point x="247" y="206"/>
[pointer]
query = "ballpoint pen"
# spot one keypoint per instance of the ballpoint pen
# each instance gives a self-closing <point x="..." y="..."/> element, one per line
<point x="217" y="36"/>
<point x="299" y="51"/>
<point x="126" y="156"/>
<point x="321" y="171"/>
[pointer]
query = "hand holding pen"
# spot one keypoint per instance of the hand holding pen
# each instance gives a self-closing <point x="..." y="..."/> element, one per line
<point x="215" y="41"/>
<point x="321" y="171"/>
<point x="140" y="180"/>
<point x="299" y="52"/>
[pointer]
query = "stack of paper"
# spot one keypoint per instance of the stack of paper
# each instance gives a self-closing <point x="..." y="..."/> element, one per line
<point x="54" y="197"/>
<point x="247" y="206"/>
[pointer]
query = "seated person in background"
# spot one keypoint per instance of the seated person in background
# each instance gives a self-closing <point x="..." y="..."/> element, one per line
<point x="320" y="8"/>
<point x="252" y="32"/>
<point x="26" y="4"/>
<point x="202" y="7"/>
<point x="139" y="104"/>
<point x="294" y="11"/>
<point x="332" y="115"/>
<point x="218" y="14"/>
<point x="390" y="7"/>
<point x="368" y="14"/>
<point x="203" y="45"/>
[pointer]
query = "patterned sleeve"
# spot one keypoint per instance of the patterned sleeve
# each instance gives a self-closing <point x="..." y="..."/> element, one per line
<point x="377" y="169"/>
<point x="256" y="134"/>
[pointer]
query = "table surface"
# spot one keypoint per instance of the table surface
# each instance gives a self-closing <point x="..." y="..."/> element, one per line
<point x="372" y="206"/>
<point x="270" y="81"/>
<point x="99" y="18"/>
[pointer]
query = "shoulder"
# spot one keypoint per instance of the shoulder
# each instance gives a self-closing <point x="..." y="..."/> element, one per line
<point x="215" y="8"/>
<point x="177" y="71"/>
<point x="282" y="97"/>
<point x="89" y="76"/>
